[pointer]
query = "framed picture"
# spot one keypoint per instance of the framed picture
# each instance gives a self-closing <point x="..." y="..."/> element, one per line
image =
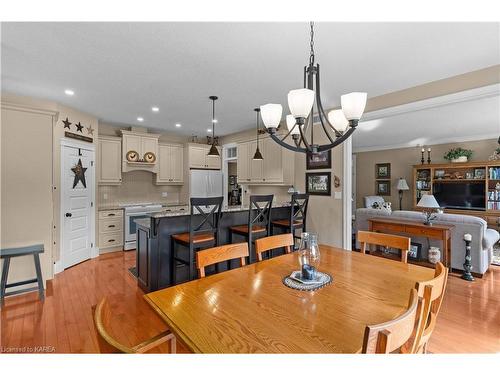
<point x="321" y="160"/>
<point x="383" y="171"/>
<point x="383" y="187"/>
<point x="318" y="183"/>
<point x="415" y="251"/>
<point x="479" y="173"/>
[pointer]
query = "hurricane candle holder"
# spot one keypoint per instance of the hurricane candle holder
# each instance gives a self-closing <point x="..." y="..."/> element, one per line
<point x="467" y="275"/>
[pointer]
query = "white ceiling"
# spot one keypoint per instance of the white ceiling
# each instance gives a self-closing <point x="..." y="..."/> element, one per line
<point x="120" y="70"/>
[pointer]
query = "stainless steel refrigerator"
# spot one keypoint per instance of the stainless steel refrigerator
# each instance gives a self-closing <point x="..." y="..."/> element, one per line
<point x="205" y="183"/>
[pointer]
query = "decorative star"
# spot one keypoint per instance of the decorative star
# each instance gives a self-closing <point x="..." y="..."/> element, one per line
<point x="79" y="127"/>
<point x="79" y="172"/>
<point x="67" y="124"/>
<point x="90" y="130"/>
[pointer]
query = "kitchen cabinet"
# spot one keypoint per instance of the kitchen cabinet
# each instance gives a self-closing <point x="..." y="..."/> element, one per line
<point x="243" y="171"/>
<point x="273" y="161"/>
<point x="109" y="160"/>
<point x="170" y="164"/>
<point x="140" y="143"/>
<point x="110" y="230"/>
<point x="198" y="158"/>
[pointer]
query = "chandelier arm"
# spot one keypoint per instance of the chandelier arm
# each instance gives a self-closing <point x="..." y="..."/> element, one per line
<point x="286" y="145"/>
<point x="321" y="111"/>
<point x="338" y="141"/>
<point x="303" y="136"/>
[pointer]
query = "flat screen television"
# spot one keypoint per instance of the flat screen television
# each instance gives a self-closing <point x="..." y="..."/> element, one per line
<point x="463" y="195"/>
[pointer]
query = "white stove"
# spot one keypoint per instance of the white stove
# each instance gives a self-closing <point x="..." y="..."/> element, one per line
<point x="133" y="212"/>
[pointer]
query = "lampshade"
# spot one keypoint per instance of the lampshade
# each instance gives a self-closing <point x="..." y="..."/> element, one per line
<point x="338" y="120"/>
<point x="402" y="184"/>
<point x="271" y="115"/>
<point x="300" y="102"/>
<point x="213" y="151"/>
<point x="290" y="123"/>
<point x="353" y="105"/>
<point x="428" y="201"/>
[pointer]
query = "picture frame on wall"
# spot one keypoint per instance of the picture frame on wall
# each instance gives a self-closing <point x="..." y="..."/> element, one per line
<point x="383" y="187"/>
<point x="319" y="183"/>
<point x="383" y="171"/>
<point x="321" y="160"/>
<point x="415" y="251"/>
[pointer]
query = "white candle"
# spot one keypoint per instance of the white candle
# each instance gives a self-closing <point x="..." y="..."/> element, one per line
<point x="467" y="237"/>
<point x="423" y="149"/>
<point x="429" y="149"/>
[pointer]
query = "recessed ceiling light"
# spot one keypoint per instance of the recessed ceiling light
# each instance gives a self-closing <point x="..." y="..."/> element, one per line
<point x="69" y="92"/>
<point x="140" y="119"/>
<point x="155" y="109"/>
<point x="209" y="130"/>
<point x="178" y="125"/>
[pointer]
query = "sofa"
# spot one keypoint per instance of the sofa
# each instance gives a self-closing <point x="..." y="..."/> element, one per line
<point x="483" y="239"/>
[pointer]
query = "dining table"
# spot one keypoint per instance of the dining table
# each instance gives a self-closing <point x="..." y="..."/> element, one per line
<point x="250" y="310"/>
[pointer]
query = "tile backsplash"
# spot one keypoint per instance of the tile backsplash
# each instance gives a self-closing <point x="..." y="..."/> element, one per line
<point x="138" y="187"/>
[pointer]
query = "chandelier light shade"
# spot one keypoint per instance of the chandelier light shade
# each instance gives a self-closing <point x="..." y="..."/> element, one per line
<point x="300" y="102"/>
<point x="213" y="149"/>
<point x="338" y="120"/>
<point x="258" y="154"/>
<point x="337" y="126"/>
<point x="271" y="115"/>
<point x="353" y="105"/>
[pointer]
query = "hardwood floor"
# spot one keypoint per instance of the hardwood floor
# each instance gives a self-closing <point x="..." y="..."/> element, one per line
<point x="469" y="319"/>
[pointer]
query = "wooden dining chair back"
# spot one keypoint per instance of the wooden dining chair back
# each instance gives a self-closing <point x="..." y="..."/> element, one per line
<point x="432" y="293"/>
<point x="108" y="344"/>
<point x="390" y="336"/>
<point x="220" y="254"/>
<point x="273" y="242"/>
<point x="389" y="240"/>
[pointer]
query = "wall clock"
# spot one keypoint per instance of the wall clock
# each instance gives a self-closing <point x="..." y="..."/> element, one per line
<point x="132" y="156"/>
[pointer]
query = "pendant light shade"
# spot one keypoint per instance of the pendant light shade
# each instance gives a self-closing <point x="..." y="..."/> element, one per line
<point x="213" y="149"/>
<point x="338" y="120"/>
<point x="258" y="154"/>
<point x="290" y="123"/>
<point x="353" y="105"/>
<point x="300" y="102"/>
<point x="271" y="115"/>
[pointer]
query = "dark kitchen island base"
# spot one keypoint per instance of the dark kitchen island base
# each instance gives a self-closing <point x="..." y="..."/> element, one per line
<point x="154" y="252"/>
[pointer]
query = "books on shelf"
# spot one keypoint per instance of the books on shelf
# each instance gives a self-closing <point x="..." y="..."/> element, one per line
<point x="494" y="173"/>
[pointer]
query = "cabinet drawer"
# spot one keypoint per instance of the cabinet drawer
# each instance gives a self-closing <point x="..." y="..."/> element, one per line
<point x="428" y="232"/>
<point x="110" y="214"/>
<point x="387" y="227"/>
<point x="110" y="239"/>
<point x="111" y="225"/>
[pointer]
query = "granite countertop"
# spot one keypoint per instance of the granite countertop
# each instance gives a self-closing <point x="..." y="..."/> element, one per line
<point x="158" y="215"/>
<point x="144" y="222"/>
<point x="120" y="206"/>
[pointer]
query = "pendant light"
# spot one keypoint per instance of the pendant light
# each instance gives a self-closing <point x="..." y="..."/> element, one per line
<point x="257" y="155"/>
<point x="213" y="149"/>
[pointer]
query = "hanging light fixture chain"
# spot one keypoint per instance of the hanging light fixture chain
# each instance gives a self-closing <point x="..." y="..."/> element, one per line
<point x="311" y="56"/>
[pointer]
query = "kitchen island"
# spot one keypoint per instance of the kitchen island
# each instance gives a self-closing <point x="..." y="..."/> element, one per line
<point x="154" y="252"/>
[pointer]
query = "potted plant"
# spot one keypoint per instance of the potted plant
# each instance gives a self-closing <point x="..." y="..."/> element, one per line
<point x="458" y="155"/>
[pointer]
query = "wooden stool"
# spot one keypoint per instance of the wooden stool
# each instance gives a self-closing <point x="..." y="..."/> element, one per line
<point x="6" y="255"/>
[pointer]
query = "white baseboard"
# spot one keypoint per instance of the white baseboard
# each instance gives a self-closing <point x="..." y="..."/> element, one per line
<point x="58" y="267"/>
<point x="94" y="252"/>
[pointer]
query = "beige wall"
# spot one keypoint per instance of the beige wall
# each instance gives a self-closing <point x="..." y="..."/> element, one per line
<point x="402" y="161"/>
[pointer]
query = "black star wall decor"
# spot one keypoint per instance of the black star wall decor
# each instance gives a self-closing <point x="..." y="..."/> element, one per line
<point x="79" y="172"/>
<point x="67" y="124"/>
<point x="79" y="127"/>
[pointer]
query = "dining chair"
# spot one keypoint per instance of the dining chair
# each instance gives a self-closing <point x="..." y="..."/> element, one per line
<point x="389" y="240"/>
<point x="204" y="220"/>
<point x="108" y="344"/>
<point x="273" y="242"/>
<point x="221" y="254"/>
<point x="390" y="336"/>
<point x="298" y="215"/>
<point x="259" y="221"/>
<point x="432" y="293"/>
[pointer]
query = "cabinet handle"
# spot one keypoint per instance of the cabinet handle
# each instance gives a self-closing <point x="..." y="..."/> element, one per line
<point x="111" y="240"/>
<point x="111" y="226"/>
<point x="111" y="214"/>
<point x="182" y="209"/>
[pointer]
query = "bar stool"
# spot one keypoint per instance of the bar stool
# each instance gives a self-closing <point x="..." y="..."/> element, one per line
<point x="259" y="221"/>
<point x="203" y="232"/>
<point x="298" y="215"/>
<point x="6" y="255"/>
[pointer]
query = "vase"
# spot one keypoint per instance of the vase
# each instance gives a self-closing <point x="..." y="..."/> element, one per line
<point x="434" y="255"/>
<point x="460" y="159"/>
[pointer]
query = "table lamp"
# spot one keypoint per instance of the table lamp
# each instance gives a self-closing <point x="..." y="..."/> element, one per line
<point x="428" y="201"/>
<point x="402" y="186"/>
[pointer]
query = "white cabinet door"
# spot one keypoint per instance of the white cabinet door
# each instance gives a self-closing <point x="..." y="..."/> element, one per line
<point x="132" y="143"/>
<point x="243" y="171"/>
<point x="213" y="162"/>
<point x="177" y="163"/>
<point x="148" y="145"/>
<point x="170" y="164"/>
<point x="110" y="166"/>
<point x="256" y="166"/>
<point x="197" y="157"/>
<point x="164" y="161"/>
<point x="272" y="164"/>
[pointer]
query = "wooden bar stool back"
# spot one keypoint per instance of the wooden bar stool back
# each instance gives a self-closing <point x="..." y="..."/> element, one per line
<point x="392" y="335"/>
<point x="298" y="215"/>
<point x="259" y="220"/>
<point x="108" y="344"/>
<point x="221" y="254"/>
<point x="273" y="242"/>
<point x="389" y="240"/>
<point x="204" y="220"/>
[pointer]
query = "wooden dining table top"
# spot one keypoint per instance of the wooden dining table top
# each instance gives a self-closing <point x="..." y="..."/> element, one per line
<point x="250" y="310"/>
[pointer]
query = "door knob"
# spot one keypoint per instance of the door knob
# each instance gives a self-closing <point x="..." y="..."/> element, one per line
<point x="69" y="214"/>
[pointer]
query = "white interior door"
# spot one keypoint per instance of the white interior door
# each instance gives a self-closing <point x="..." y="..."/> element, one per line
<point x="76" y="205"/>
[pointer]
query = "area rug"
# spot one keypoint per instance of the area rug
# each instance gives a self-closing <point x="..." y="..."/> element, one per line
<point x="496" y="254"/>
<point x="133" y="271"/>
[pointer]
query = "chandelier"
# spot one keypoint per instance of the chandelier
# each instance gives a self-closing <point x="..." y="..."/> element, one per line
<point x="337" y="126"/>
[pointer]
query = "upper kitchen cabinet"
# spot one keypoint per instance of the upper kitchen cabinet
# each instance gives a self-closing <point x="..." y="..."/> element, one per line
<point x="139" y="151"/>
<point x="198" y="158"/>
<point x="109" y="160"/>
<point x="170" y="164"/>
